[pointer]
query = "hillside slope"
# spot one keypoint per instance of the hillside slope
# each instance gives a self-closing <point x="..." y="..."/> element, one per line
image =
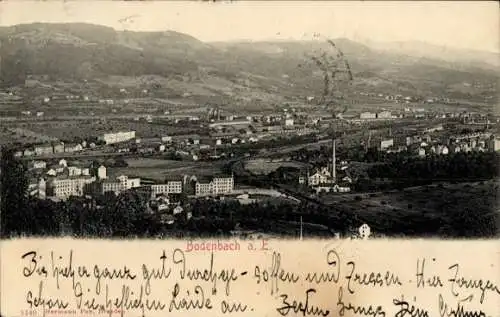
<point x="74" y="52"/>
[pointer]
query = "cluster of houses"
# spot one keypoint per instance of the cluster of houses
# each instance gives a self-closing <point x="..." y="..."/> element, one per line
<point x="424" y="145"/>
<point x="323" y="179"/>
<point x="62" y="147"/>
<point x="53" y="148"/>
<point x="62" y="180"/>
<point x="384" y="115"/>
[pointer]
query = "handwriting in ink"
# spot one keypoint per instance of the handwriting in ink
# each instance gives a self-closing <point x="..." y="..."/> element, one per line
<point x="406" y="310"/>
<point x="358" y="310"/>
<point x="434" y="281"/>
<point x="199" y="301"/>
<point x="226" y="307"/>
<point x="332" y="259"/>
<point x="277" y="274"/>
<point x="67" y="271"/>
<point x="33" y="266"/>
<point x="372" y="279"/>
<point x="111" y="274"/>
<point x="154" y="273"/>
<point x="445" y="311"/>
<point x="225" y="275"/>
<point x="461" y="282"/>
<point x="127" y="301"/>
<point x="46" y="303"/>
<point x="301" y="307"/>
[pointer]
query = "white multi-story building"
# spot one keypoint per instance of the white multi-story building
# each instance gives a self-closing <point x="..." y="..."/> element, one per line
<point x="322" y="176"/>
<point x="203" y="188"/>
<point x="318" y="178"/>
<point x="222" y="185"/>
<point x="385" y="144"/>
<point x="171" y="187"/>
<point x="218" y="185"/>
<point x="121" y="183"/>
<point x="111" y="138"/>
<point x="114" y="186"/>
<point x="129" y="183"/>
<point x="43" y="150"/>
<point x="367" y="115"/>
<point x="64" y="187"/>
<point x="494" y="145"/>
<point x="101" y="172"/>
<point x="38" y="164"/>
<point x="384" y="115"/>
<point x="74" y="171"/>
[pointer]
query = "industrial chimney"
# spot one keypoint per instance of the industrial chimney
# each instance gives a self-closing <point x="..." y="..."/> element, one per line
<point x="334" y="175"/>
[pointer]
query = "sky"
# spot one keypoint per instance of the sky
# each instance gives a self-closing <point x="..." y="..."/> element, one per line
<point x="471" y="25"/>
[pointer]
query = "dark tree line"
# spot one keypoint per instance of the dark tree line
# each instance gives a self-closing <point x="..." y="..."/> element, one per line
<point x="128" y="215"/>
<point x="457" y="166"/>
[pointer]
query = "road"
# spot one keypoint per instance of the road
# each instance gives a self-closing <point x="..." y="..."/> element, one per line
<point x="77" y="155"/>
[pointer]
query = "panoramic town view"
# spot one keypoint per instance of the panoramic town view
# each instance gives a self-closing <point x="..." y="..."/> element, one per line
<point x="110" y="132"/>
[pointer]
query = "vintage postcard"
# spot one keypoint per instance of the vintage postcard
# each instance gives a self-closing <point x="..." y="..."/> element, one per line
<point x="246" y="158"/>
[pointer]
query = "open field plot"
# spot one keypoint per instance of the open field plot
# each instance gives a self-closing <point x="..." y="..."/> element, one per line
<point x="158" y="169"/>
<point x="263" y="166"/>
<point x="437" y="205"/>
<point x="23" y="135"/>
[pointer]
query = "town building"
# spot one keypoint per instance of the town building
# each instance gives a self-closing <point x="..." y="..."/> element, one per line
<point x="442" y="149"/>
<point x="222" y="184"/>
<point x="114" y="186"/>
<point x="38" y="164"/>
<point x="129" y="183"/>
<point x="121" y="183"/>
<point x="65" y="186"/>
<point x="421" y="152"/>
<point x="367" y="115"/>
<point x="74" y="171"/>
<point x="37" y="188"/>
<point x="216" y="185"/>
<point x="384" y="115"/>
<point x="322" y="176"/>
<point x="203" y="187"/>
<point x="112" y="138"/>
<point x="170" y="187"/>
<point x="43" y="150"/>
<point x="166" y="139"/>
<point x="28" y="152"/>
<point x="58" y="147"/>
<point x="494" y="145"/>
<point x="385" y="144"/>
<point x="230" y="123"/>
<point x="341" y="188"/>
<point x="70" y="148"/>
<point x="101" y="172"/>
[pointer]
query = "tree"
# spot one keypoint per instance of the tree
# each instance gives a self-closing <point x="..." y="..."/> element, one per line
<point x="127" y="213"/>
<point x="15" y="215"/>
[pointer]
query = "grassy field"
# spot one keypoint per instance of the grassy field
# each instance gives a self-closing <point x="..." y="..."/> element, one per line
<point x="435" y="202"/>
<point x="158" y="169"/>
<point x="69" y="129"/>
<point x="263" y="166"/>
<point x="23" y="135"/>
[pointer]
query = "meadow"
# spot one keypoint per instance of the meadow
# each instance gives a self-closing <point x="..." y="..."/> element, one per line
<point x="158" y="169"/>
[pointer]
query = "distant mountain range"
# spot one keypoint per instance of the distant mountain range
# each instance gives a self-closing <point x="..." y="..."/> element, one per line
<point x="286" y="68"/>
<point x="444" y="53"/>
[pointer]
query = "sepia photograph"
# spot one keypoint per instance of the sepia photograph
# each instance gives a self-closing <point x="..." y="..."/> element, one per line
<point x="248" y="119"/>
